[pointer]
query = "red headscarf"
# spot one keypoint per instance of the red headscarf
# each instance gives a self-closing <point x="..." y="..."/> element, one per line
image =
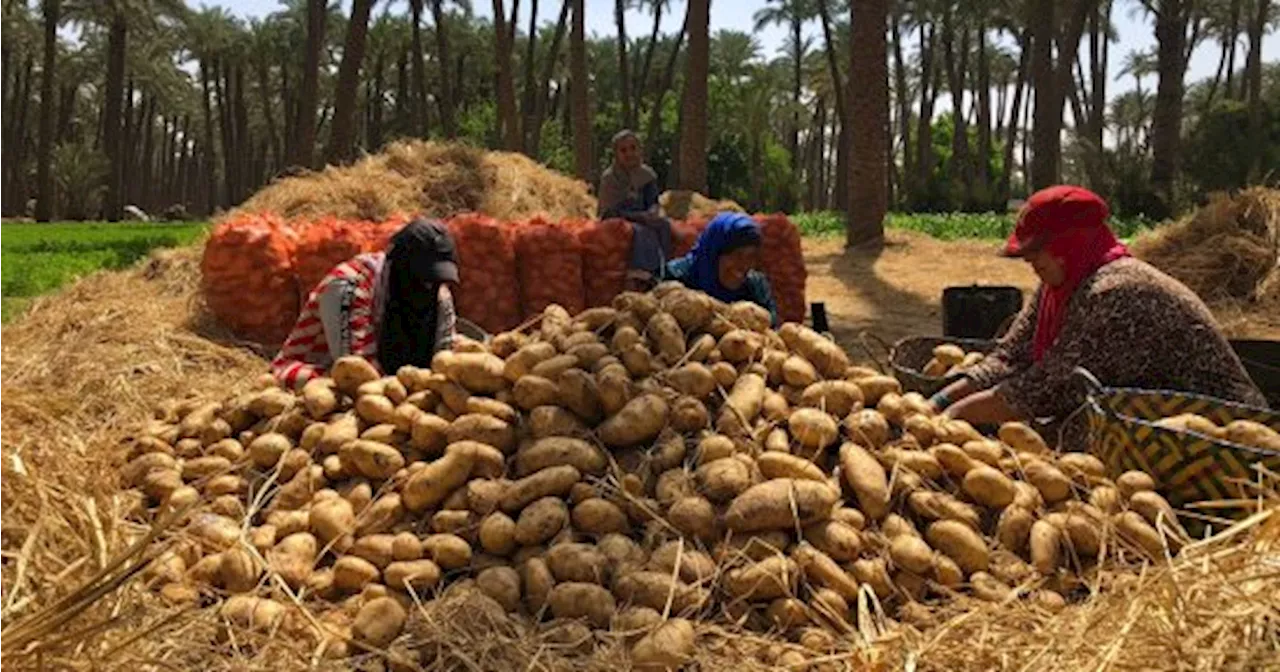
<point x="1070" y="223"/>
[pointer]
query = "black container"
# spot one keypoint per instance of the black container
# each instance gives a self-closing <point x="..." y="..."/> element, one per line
<point x="1262" y="361"/>
<point x="977" y="311"/>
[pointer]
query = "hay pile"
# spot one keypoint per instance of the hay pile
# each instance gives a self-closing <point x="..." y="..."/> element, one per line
<point x="438" y="179"/>
<point x="1228" y="250"/>
<point x="683" y="204"/>
<point x="83" y="368"/>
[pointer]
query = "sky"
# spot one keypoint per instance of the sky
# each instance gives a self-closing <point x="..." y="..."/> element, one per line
<point x="1135" y="31"/>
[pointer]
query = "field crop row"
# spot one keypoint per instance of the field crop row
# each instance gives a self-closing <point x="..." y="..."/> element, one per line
<point x="945" y="225"/>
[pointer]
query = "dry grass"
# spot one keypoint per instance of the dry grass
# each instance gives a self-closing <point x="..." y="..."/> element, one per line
<point x="84" y="366"/>
<point x="436" y="179"/>
<point x="682" y="204"/>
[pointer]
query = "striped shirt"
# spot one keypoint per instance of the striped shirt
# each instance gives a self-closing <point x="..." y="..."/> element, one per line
<point x="340" y="318"/>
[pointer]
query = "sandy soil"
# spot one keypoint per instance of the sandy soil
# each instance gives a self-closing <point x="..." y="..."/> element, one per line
<point x="896" y="290"/>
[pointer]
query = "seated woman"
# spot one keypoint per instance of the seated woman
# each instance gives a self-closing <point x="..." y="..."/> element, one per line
<point x="392" y="308"/>
<point x="1099" y="308"/>
<point x="723" y="263"/>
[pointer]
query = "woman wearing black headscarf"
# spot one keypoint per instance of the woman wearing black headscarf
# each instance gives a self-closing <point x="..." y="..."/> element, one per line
<point x="393" y="308"/>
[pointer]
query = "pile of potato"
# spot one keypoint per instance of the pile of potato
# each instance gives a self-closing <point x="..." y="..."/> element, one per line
<point x="632" y="467"/>
<point x="948" y="359"/>
<point x="1242" y="432"/>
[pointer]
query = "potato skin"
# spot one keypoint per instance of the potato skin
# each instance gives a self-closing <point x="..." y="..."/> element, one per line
<point x="559" y="450"/>
<point x="639" y="422"/>
<point x="960" y="543"/>
<point x="578" y="600"/>
<point x="546" y="482"/>
<point x="768" y="506"/>
<point x="864" y="474"/>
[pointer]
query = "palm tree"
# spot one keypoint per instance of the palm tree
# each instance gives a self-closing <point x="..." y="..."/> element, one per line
<point x="869" y="121"/>
<point x="1051" y="79"/>
<point x="693" y="106"/>
<point x="583" y="154"/>
<point x="793" y="14"/>
<point x="508" y="116"/>
<point x="44" y="180"/>
<point x="309" y="92"/>
<point x="342" y="137"/>
<point x="1172" y="20"/>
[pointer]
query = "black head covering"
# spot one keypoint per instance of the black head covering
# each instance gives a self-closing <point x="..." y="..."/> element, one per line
<point x="421" y="256"/>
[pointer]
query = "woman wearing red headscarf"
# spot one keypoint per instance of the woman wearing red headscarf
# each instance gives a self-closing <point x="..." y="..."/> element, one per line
<point x="1099" y="308"/>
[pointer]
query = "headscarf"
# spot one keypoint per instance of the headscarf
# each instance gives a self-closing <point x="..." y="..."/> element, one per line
<point x="420" y="257"/>
<point x="725" y="233"/>
<point x="1070" y="223"/>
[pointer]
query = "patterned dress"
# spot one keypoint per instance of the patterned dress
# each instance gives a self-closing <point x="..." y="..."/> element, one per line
<point x="1131" y="326"/>
<point x="340" y="318"/>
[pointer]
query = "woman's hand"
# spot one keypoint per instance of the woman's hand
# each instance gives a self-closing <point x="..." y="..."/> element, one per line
<point x="983" y="408"/>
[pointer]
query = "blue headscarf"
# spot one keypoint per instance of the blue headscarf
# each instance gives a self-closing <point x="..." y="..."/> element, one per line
<point x="728" y="231"/>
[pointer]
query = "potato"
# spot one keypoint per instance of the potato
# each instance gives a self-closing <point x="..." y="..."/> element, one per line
<point x="693" y="516"/>
<point x="523" y="361"/>
<point x="1082" y="529"/>
<point x="743" y="404"/>
<point x="1027" y="496"/>
<point x="989" y="487"/>
<point x="911" y="553"/>
<point x="783" y="465"/>
<point x="1013" y="529"/>
<point x="577" y="562"/>
<point x="823" y="571"/>
<point x="376" y="548"/>
<point x="787" y="613"/>
<point x="379" y="622"/>
<point x="798" y="372"/>
<point x="874" y="387"/>
<point x="835" y="538"/>
<point x="693" y="379"/>
<point x="653" y="589"/>
<point x="1250" y="433"/>
<point x="691" y="309"/>
<point x="637" y="423"/>
<point x="1190" y="422"/>
<point x="960" y="543"/>
<point x="482" y="429"/>
<point x="370" y="459"/>
<point x="533" y="391"/>
<point x="429" y="433"/>
<point x="547" y="421"/>
<point x="667" y="647"/>
<point x="1105" y="498"/>
<point x="448" y="550"/>
<point x="767" y="579"/>
<point x="257" y="614"/>
<point x="917" y="462"/>
<point x="427" y="487"/>
<point x="596" y="516"/>
<point x="1135" y="530"/>
<point x="1046" y="544"/>
<point x="1053" y="485"/>
<point x="478" y="372"/>
<point x="588" y="354"/>
<point x="829" y="359"/>
<point x="350" y="372"/>
<point x="412" y="575"/>
<point x="694" y="565"/>
<point x="922" y="428"/>
<point x="667" y="338"/>
<point x="332" y="518"/>
<point x="502" y="584"/>
<point x="722" y="480"/>
<point x="740" y="345"/>
<point x="551" y="481"/>
<point x="639" y="362"/>
<point x="497" y="534"/>
<point x="943" y="506"/>
<point x="989" y="588"/>
<point x="1155" y="509"/>
<point x="351" y="574"/>
<point x="837" y="397"/>
<point x="540" y="521"/>
<point x="557" y="451"/>
<point x="866" y="477"/>
<point x="239" y="570"/>
<point x="812" y="429"/>
<point x="1022" y="438"/>
<point x="1131" y="482"/>
<point x="776" y="504"/>
<point x="689" y="415"/>
<point x="725" y="374"/>
<point x="715" y="447"/>
<point x="582" y="600"/>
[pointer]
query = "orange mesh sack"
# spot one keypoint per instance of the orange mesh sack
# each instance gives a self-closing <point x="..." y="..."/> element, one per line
<point x="377" y="236"/>
<point x="549" y="259"/>
<point x="488" y="293"/>
<point x="322" y="245"/>
<point x="606" y="252"/>
<point x="684" y="234"/>
<point x="783" y="262"/>
<point x="247" y="277"/>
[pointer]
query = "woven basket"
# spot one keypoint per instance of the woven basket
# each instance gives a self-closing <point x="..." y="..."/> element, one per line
<point x="908" y="357"/>
<point x="1188" y="467"/>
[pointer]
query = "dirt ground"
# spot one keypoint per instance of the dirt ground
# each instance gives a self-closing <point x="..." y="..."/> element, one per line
<point x="896" y="290"/>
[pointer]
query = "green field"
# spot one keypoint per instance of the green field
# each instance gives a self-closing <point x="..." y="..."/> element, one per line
<point x="945" y="225"/>
<point x="38" y="258"/>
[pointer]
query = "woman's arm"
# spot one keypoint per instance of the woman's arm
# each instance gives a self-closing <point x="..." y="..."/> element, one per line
<point x="446" y="319"/>
<point x="1012" y="354"/>
<point x="762" y="295"/>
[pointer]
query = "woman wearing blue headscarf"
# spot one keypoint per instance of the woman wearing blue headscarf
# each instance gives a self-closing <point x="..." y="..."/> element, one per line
<point x="723" y="263"/>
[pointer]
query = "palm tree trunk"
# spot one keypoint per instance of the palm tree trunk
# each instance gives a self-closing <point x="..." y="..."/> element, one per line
<point x="530" y="90"/>
<point x="693" y="107"/>
<point x="908" y="184"/>
<point x="668" y="80"/>
<point x="544" y="81"/>
<point x="66" y="112"/>
<point x="309" y="92"/>
<point x="842" y="107"/>
<point x="797" y="85"/>
<point x="244" y="141"/>
<point x="418" y="64"/>
<point x="448" y="96"/>
<point x="221" y="82"/>
<point x="373" y="104"/>
<point x="956" y="66"/>
<point x="1166" y="119"/>
<point x="342" y="138"/>
<point x="924" y="123"/>
<point x="1229" y="47"/>
<point x="1253" y="80"/>
<point x="984" y="119"/>
<point x="147" y="184"/>
<point x="508" y="117"/>
<point x="869" y="119"/>
<point x="268" y="114"/>
<point x="1051" y="82"/>
<point x="49" y="74"/>
<point x="402" y="122"/>
<point x="112" y="124"/>
<point x="1015" y="108"/>
<point x="624" y="69"/>
<point x="583" y="158"/>
<point x="642" y="84"/>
